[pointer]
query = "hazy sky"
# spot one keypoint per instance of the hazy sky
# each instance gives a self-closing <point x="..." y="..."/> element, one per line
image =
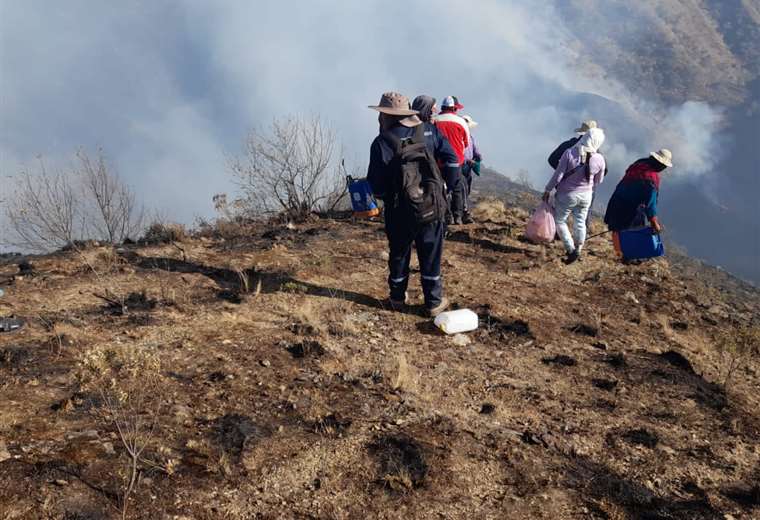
<point x="169" y="89"/>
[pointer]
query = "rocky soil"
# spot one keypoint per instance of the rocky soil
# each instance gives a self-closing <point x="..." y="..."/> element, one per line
<point x="262" y="376"/>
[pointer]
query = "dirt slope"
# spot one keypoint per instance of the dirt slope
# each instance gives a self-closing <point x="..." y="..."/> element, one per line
<point x="586" y="393"/>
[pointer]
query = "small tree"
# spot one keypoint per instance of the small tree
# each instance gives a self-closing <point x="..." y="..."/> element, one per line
<point x="114" y="214"/>
<point x="45" y="212"/>
<point x="290" y="168"/>
<point x="89" y="201"/>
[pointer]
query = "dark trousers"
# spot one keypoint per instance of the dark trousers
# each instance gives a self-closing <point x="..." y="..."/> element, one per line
<point x="460" y="195"/>
<point x="467" y="181"/>
<point x="428" y="240"/>
<point x="459" y="198"/>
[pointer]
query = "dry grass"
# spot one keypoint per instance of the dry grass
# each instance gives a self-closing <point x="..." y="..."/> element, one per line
<point x="307" y="320"/>
<point x="364" y="375"/>
<point x="490" y="210"/>
<point x="164" y="233"/>
<point x="405" y="376"/>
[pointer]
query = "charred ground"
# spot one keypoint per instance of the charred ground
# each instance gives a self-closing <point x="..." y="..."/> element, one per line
<point x="278" y="385"/>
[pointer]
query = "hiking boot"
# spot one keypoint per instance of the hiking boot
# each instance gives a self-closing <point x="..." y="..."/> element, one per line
<point x="398" y="305"/>
<point x="572" y="257"/>
<point x="457" y="221"/>
<point x="435" y="311"/>
<point x="467" y="219"/>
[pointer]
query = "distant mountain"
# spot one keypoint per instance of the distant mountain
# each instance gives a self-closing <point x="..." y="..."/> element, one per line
<point x="707" y="50"/>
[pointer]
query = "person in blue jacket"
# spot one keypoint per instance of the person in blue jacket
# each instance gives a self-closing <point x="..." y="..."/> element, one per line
<point x="634" y="202"/>
<point x="398" y="118"/>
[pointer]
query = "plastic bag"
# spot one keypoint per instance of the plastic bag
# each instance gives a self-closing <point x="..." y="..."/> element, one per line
<point x="541" y="227"/>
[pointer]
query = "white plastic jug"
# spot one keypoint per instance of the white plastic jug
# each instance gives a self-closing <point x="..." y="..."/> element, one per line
<point x="454" y="322"/>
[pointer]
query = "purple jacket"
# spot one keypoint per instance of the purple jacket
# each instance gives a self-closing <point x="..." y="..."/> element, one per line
<point x="570" y="175"/>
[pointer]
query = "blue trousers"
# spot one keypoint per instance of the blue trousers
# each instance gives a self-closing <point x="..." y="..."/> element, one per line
<point x="428" y="240"/>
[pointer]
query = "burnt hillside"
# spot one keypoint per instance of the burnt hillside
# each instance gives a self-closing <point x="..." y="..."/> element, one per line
<point x="261" y="376"/>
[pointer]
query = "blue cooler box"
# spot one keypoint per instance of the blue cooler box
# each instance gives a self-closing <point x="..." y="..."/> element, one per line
<point x="362" y="201"/>
<point x="641" y="243"/>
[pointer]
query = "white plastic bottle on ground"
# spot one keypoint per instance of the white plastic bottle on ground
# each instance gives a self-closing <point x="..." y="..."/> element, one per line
<point x="454" y="322"/>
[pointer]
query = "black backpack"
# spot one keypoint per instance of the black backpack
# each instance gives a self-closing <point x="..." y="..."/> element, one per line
<point x="419" y="186"/>
<point x="556" y="155"/>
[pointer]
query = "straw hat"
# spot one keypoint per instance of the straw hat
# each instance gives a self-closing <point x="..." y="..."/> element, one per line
<point x="395" y="104"/>
<point x="470" y="121"/>
<point x="663" y="156"/>
<point x="586" y="126"/>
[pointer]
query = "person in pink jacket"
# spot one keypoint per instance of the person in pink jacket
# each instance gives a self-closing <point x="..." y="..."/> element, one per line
<point x="580" y="170"/>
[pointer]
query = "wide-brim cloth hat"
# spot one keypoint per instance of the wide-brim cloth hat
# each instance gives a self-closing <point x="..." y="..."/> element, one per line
<point x="586" y="126"/>
<point x="663" y="156"/>
<point x="395" y="104"/>
<point x="470" y="121"/>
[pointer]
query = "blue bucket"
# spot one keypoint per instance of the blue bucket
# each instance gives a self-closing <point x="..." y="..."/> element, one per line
<point x="641" y="243"/>
<point x="362" y="200"/>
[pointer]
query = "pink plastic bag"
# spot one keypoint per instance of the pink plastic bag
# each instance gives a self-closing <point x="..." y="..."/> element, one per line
<point x="541" y="227"/>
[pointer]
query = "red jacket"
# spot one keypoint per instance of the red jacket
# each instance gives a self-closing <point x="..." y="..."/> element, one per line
<point x="454" y="128"/>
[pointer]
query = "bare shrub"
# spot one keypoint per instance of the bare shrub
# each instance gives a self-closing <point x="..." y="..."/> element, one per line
<point x="128" y="383"/>
<point x="113" y="214"/>
<point x="289" y="168"/>
<point x="51" y="210"/>
<point x="738" y="347"/>
<point x="44" y="212"/>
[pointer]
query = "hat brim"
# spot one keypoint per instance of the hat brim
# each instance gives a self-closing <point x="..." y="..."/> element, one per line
<point x="661" y="159"/>
<point x="459" y="106"/>
<point x="394" y="111"/>
<point x="411" y="121"/>
<point x="581" y="130"/>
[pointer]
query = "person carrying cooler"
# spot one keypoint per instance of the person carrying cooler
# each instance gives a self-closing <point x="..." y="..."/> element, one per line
<point x="634" y="202"/>
<point x="403" y="172"/>
<point x="457" y="133"/>
<point x="579" y="171"/>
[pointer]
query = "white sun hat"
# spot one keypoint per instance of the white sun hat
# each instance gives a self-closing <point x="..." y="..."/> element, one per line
<point x="470" y="121"/>
<point x="663" y="156"/>
<point x="586" y="126"/>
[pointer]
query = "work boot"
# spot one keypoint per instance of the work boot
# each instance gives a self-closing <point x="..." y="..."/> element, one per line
<point x="398" y="305"/>
<point x="572" y="257"/>
<point x="457" y="221"/>
<point x="467" y="219"/>
<point x="435" y="311"/>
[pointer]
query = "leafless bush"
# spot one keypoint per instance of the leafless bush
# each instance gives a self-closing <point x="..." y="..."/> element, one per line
<point x="135" y="421"/>
<point x="114" y="213"/>
<point x="45" y="212"/>
<point x="50" y="210"/>
<point x="290" y="168"/>
<point x="128" y="383"/>
<point x="738" y="347"/>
